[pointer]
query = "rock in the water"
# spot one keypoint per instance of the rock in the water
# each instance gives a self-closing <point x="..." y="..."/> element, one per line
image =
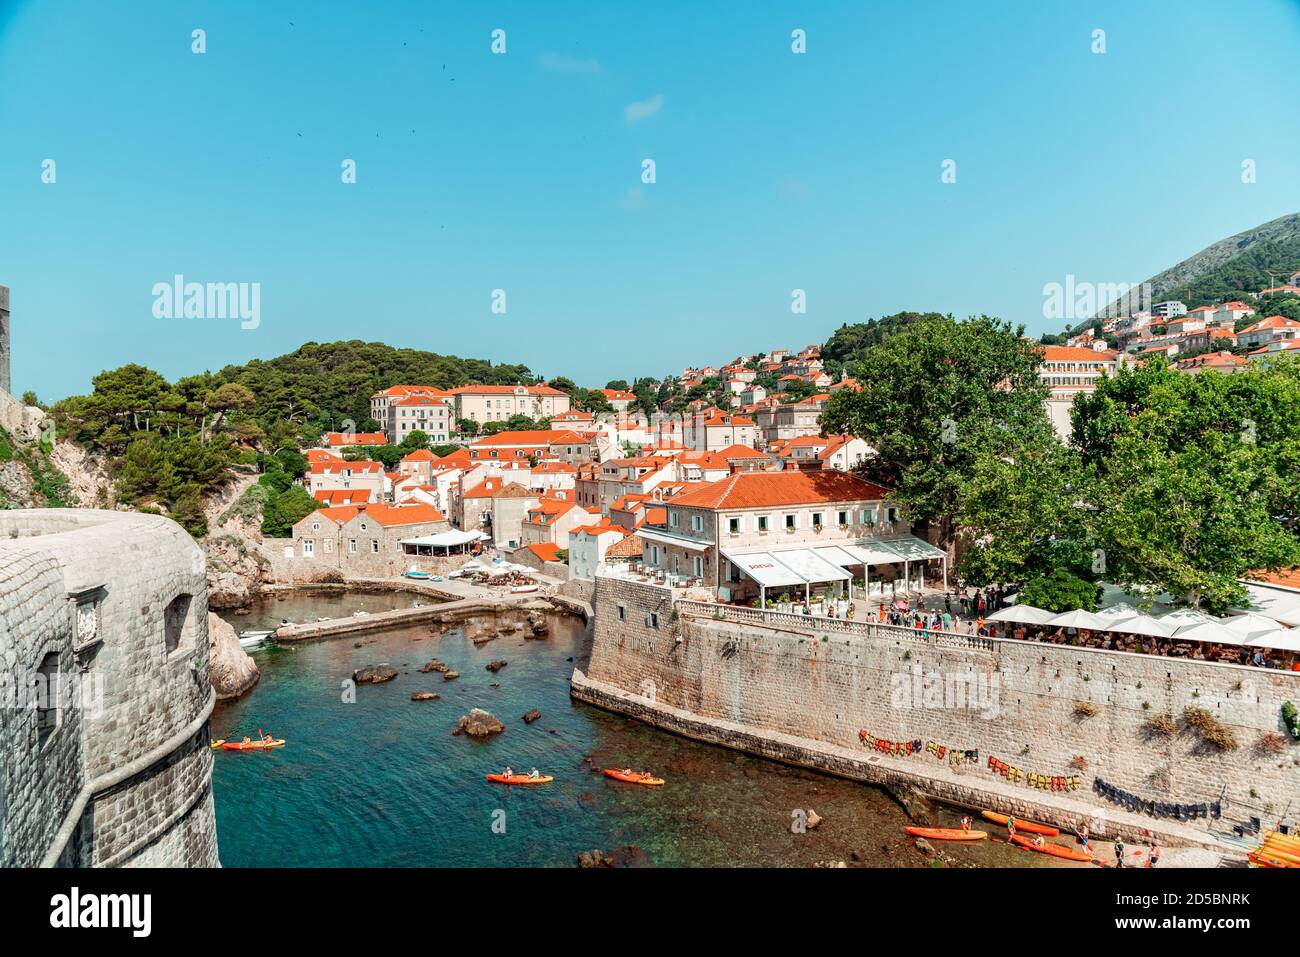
<point x="478" y="724"/>
<point x="230" y="668"/>
<point x="924" y="846"/>
<point x="433" y="665"/>
<point x="450" y="675"/>
<point x="532" y="716"/>
<point x="425" y="696"/>
<point x="374" y="674"/>
<point x="916" y="804"/>
<point x="495" y="666"/>
<point x="630" y="856"/>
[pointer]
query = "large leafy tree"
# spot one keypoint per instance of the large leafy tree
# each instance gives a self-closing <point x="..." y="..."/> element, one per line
<point x="1193" y="476"/>
<point x="936" y="395"/>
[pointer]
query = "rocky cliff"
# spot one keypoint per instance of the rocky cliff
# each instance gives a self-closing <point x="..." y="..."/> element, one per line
<point x="232" y="671"/>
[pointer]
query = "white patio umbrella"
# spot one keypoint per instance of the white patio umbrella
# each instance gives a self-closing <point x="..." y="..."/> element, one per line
<point x="1207" y="631"/>
<point x="1283" y="639"/>
<point x="1187" y="616"/>
<point x="1142" y="625"/>
<point x="1250" y="624"/>
<point x="1079" y="619"/>
<point x="1021" y="614"/>
<point x="1120" y="611"/>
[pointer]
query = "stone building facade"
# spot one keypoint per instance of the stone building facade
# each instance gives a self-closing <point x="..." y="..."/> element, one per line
<point x="103" y="636"/>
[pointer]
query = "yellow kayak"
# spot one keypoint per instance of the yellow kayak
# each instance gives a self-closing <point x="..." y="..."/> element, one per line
<point x="1277" y="837"/>
<point x="1281" y="852"/>
<point x="218" y="743"/>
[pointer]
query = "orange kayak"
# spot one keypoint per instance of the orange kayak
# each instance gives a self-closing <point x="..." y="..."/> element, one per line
<point x="520" y="779"/>
<point x="1056" y="850"/>
<point x="252" y="745"/>
<point x="1263" y="859"/>
<point x="946" y="833"/>
<point x="1280" y="852"/>
<point x="634" y="777"/>
<point x="1029" y="826"/>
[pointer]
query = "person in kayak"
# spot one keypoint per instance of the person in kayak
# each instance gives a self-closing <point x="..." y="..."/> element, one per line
<point x="532" y="773"/>
<point x="509" y="773"/>
<point x="965" y="822"/>
<point x="1038" y="841"/>
<point x="247" y="740"/>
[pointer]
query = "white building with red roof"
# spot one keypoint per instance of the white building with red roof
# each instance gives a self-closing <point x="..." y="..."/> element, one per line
<point x="793" y="530"/>
<point x="498" y="403"/>
<point x="1267" y="330"/>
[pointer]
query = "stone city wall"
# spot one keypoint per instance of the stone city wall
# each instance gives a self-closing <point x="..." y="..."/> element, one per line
<point x="117" y="601"/>
<point x="1048" y="709"/>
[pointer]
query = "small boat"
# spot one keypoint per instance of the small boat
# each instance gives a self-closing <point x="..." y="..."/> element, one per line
<point x="636" y="777"/>
<point x="252" y="745"/>
<point x="945" y="833"/>
<point x="361" y="614"/>
<point x="1056" y="850"/>
<point x="254" y="637"/>
<point x="1028" y="826"/>
<point x="520" y="779"/>
<point x="416" y="574"/>
<point x="523" y="589"/>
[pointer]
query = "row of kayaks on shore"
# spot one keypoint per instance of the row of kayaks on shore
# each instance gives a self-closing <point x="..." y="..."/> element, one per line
<point x="1036" y="843"/>
<point x="631" y="777"/>
<point x="1278" y="850"/>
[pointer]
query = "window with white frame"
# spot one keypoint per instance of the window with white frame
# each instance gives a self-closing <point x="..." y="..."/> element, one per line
<point x="733" y="526"/>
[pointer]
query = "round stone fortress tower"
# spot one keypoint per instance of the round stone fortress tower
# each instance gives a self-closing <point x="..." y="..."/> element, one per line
<point x="104" y="692"/>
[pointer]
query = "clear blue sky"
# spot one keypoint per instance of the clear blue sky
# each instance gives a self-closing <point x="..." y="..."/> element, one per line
<point x="522" y="172"/>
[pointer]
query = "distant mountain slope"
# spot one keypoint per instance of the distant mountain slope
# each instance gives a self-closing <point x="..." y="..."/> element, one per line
<point x="1240" y="263"/>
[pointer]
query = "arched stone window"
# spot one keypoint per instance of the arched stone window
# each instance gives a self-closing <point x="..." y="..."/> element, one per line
<point x="46" y="692"/>
<point x="178" y="623"/>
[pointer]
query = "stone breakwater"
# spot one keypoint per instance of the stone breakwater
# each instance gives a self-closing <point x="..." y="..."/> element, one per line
<point x="803" y="690"/>
<point x="103" y="621"/>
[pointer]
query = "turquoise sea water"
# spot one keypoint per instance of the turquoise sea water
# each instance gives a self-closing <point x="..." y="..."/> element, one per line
<point x="382" y="782"/>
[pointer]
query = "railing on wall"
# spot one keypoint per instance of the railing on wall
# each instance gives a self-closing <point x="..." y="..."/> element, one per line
<point x="842" y="626"/>
<point x="870" y="630"/>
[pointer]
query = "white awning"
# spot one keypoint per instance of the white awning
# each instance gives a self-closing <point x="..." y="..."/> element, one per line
<point x="448" y="539"/>
<point x="840" y="555"/>
<point x="663" y="539"/>
<point x="872" y="553"/>
<point x="806" y="562"/>
<point x="765" y="569"/>
<point x="913" y="549"/>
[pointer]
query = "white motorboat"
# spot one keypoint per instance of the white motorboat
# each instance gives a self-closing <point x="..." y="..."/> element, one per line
<point x="253" y="638"/>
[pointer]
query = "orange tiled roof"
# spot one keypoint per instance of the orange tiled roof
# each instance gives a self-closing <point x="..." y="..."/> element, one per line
<point x="546" y="551"/>
<point x="771" y="489"/>
<point x="355" y="438"/>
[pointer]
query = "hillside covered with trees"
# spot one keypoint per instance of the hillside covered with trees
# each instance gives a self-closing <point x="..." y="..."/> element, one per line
<point x="170" y="444"/>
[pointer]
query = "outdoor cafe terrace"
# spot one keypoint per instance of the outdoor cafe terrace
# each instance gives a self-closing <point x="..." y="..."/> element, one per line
<point x="1247" y="640"/>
